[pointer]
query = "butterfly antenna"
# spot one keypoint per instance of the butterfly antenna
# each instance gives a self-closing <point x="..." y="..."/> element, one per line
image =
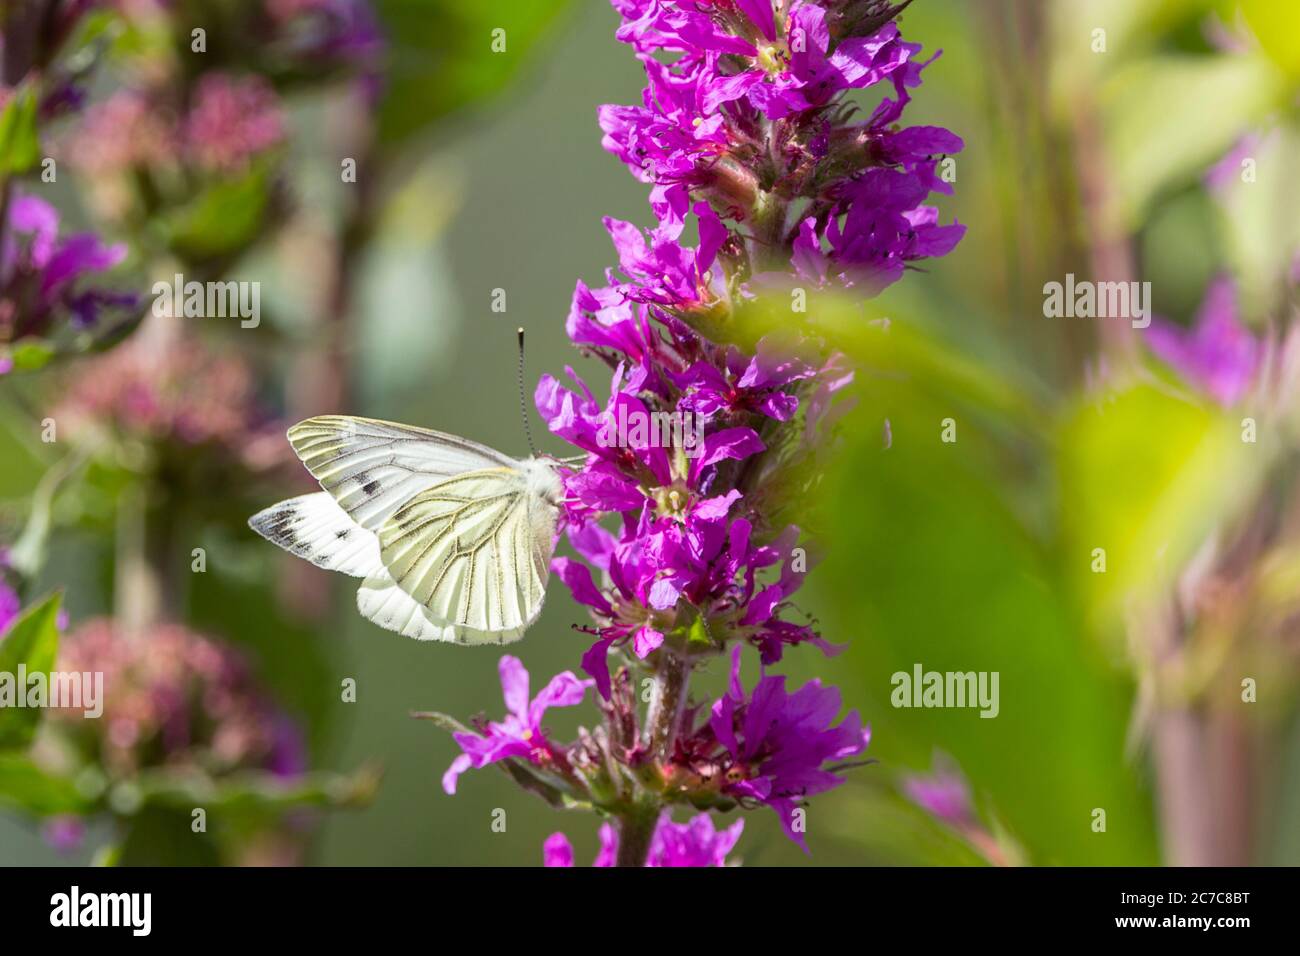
<point x="523" y="403"/>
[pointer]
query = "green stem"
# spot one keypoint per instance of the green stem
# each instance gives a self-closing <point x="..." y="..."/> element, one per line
<point x="636" y="828"/>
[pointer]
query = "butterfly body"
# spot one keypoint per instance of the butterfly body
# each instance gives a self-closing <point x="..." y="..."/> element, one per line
<point x="452" y="539"/>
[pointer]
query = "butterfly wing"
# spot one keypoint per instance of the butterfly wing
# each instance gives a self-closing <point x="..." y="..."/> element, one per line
<point x="373" y="467"/>
<point x="380" y="600"/>
<point x="316" y="528"/>
<point x="453" y="539"/>
<point x="475" y="549"/>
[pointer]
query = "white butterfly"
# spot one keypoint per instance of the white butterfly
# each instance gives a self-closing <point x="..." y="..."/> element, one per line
<point x="453" y="540"/>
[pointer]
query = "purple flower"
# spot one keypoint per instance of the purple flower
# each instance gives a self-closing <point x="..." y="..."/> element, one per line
<point x="746" y="384"/>
<point x="1227" y="170"/>
<point x="1218" y="355"/>
<point x="64" y="833"/>
<point x="42" y="273"/>
<point x="662" y="571"/>
<point x="779" y="743"/>
<point x="944" y="794"/>
<point x="520" y="734"/>
<point x="879" y="226"/>
<point x="10" y="607"/>
<point x="344" y="31"/>
<point x="663" y="271"/>
<point x="694" y="843"/>
<point x="557" y="851"/>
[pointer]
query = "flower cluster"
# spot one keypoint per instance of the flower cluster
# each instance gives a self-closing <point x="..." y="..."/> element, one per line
<point x="177" y="392"/>
<point x="175" y="699"/>
<point x="231" y="122"/>
<point x="744" y="135"/>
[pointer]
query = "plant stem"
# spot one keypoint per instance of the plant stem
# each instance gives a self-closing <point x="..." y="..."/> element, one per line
<point x="665" y="717"/>
<point x="636" y="828"/>
<point x="637" y="821"/>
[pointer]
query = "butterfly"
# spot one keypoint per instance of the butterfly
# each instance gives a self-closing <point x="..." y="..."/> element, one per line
<point x="452" y="540"/>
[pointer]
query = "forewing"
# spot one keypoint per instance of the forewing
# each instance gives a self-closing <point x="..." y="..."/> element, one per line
<point x="470" y="549"/>
<point x="372" y="468"/>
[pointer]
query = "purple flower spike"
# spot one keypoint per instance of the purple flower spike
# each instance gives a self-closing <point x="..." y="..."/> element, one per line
<point x="761" y="176"/>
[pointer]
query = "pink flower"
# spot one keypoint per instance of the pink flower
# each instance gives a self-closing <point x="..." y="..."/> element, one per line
<point x="233" y="120"/>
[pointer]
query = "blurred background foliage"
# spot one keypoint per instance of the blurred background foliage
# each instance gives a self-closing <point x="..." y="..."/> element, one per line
<point x="975" y="555"/>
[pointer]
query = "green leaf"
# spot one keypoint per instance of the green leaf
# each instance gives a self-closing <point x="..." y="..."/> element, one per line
<point x="1166" y="118"/>
<point x="32" y="642"/>
<point x="1145" y="476"/>
<point x="1277" y="27"/>
<point x="256" y="793"/>
<point x="27" y="787"/>
<point x="30" y="354"/>
<point x="162" y="836"/>
<point x="938" y="557"/>
<point x="441" y="58"/>
<point x="20" y="146"/>
<point x="223" y="219"/>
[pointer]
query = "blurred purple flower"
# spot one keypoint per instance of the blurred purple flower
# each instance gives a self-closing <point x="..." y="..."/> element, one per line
<point x="10" y="607"/>
<point x="1228" y="170"/>
<point x="64" y="833"/>
<point x="944" y="794"/>
<point x="1218" y="355"/>
<point x="42" y="273"/>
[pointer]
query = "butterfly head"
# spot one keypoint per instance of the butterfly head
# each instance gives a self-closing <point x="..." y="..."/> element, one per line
<point x="544" y="480"/>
